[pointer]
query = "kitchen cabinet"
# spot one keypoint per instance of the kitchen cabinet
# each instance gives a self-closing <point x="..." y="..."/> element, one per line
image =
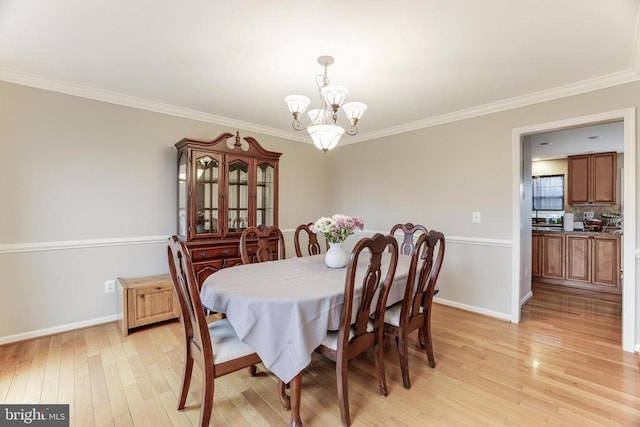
<point x="224" y="186"/>
<point x="536" y="247"/>
<point x="594" y="260"/>
<point x="583" y="260"/>
<point x="547" y="255"/>
<point x="552" y="256"/>
<point x="592" y="179"/>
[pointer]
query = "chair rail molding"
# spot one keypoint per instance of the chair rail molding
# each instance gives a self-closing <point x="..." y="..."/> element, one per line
<point x="12" y="248"/>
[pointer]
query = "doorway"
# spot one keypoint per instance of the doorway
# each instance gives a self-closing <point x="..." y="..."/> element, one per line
<point x="521" y="278"/>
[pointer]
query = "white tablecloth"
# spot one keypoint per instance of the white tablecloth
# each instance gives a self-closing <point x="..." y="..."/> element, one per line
<point x="284" y="308"/>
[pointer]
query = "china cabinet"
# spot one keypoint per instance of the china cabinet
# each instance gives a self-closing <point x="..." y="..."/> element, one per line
<point x="592" y="179"/>
<point x="224" y="186"/>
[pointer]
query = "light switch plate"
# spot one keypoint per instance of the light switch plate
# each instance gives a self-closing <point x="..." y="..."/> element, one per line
<point x="475" y="217"/>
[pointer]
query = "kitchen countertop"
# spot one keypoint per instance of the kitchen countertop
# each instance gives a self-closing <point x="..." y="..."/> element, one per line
<point x="614" y="232"/>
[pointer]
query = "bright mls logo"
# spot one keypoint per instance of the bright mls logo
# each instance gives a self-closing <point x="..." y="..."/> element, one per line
<point x="34" y="415"/>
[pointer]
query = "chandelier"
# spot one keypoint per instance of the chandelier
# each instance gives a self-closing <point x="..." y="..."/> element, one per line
<point x="323" y="127"/>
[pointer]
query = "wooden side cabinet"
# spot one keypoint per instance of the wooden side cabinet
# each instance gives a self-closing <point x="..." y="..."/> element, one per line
<point x="146" y="300"/>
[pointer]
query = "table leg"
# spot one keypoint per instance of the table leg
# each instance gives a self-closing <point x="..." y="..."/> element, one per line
<point x="296" y="386"/>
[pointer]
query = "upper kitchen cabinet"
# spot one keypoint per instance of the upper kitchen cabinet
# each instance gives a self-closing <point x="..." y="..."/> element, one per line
<point x="592" y="179"/>
<point x="224" y="186"/>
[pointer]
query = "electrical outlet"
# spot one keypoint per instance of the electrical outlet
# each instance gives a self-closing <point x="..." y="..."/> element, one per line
<point x="475" y="216"/>
<point x="109" y="286"/>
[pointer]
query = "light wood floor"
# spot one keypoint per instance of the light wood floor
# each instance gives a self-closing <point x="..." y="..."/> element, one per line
<point x="562" y="366"/>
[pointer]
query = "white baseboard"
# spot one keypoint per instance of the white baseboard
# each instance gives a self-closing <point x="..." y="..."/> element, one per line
<point x="57" y="329"/>
<point x="474" y="309"/>
<point x="526" y="298"/>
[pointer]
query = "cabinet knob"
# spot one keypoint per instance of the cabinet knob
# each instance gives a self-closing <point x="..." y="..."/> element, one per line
<point x="226" y="252"/>
<point x="203" y="254"/>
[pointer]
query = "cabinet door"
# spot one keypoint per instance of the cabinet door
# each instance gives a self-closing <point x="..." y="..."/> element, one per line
<point x="535" y="254"/>
<point x="238" y="201"/>
<point x="606" y="261"/>
<point x="553" y="251"/>
<point x="206" y="197"/>
<point x="578" y="180"/>
<point x="603" y="177"/>
<point x="150" y="304"/>
<point x="265" y="193"/>
<point x="578" y="258"/>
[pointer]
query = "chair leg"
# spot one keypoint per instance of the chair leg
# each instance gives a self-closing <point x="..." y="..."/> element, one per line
<point x="378" y="357"/>
<point x="403" y="355"/>
<point x="186" y="379"/>
<point x="425" y="341"/>
<point x="207" y="397"/>
<point x="252" y="370"/>
<point x="342" y="378"/>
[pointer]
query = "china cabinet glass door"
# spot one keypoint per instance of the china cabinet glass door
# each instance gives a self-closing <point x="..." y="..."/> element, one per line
<point x="265" y="194"/>
<point x="182" y="194"/>
<point x="206" y="194"/>
<point x="237" y="195"/>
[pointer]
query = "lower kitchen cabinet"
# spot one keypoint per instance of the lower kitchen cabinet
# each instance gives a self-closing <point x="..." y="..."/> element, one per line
<point x="553" y="255"/>
<point x="584" y="260"/>
<point x="605" y="258"/>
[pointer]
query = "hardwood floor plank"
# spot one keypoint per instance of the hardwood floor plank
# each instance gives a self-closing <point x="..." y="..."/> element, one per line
<point x="563" y="365"/>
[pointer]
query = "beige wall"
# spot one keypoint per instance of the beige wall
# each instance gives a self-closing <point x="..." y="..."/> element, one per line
<point x="439" y="175"/>
<point x="76" y="169"/>
<point x="76" y="173"/>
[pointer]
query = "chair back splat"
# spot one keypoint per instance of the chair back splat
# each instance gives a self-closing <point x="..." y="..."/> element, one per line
<point x="411" y="233"/>
<point x="313" y="247"/>
<point x="270" y="244"/>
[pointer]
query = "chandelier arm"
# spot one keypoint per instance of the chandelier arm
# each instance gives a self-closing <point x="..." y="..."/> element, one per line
<point x="351" y="131"/>
<point x="297" y="125"/>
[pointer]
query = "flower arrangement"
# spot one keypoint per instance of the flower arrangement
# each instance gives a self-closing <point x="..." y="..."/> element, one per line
<point x="337" y="228"/>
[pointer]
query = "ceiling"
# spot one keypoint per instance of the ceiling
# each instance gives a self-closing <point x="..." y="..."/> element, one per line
<point x="232" y="62"/>
<point x="581" y="140"/>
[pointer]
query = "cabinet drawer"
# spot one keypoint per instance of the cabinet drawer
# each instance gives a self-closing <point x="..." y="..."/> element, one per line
<point x="214" y="253"/>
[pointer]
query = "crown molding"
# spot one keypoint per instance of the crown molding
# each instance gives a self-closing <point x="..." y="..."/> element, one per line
<point x="602" y="82"/>
<point x="32" y="80"/>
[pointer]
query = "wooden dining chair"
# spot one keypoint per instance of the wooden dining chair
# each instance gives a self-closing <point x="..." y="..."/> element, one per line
<point x="214" y="346"/>
<point x="313" y="247"/>
<point x="414" y="311"/>
<point x="411" y="233"/>
<point x="266" y="237"/>
<point x="362" y="318"/>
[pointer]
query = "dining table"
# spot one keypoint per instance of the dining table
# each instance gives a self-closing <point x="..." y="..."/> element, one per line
<point x="284" y="308"/>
